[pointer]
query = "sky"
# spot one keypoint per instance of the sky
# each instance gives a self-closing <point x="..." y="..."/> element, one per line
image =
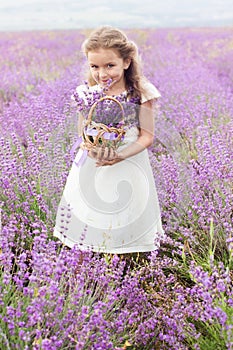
<point x="17" y="15"/>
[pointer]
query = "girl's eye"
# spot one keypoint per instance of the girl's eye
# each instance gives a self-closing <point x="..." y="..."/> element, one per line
<point x="93" y="66"/>
<point x="110" y="65"/>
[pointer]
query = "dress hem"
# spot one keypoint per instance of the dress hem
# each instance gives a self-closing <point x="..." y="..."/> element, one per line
<point x="87" y="248"/>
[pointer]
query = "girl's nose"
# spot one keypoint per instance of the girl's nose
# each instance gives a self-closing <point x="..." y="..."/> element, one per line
<point x="102" y="73"/>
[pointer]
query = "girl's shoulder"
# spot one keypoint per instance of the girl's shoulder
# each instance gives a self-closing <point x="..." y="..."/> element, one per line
<point x="149" y="91"/>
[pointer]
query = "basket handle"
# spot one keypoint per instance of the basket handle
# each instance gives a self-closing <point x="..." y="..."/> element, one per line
<point x="89" y="117"/>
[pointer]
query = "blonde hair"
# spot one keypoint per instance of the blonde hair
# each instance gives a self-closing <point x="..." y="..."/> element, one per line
<point x="108" y="37"/>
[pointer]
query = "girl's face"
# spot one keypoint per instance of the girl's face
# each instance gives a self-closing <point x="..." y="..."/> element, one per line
<point x="105" y="65"/>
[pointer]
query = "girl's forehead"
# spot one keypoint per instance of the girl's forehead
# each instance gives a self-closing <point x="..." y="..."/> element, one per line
<point x="103" y="54"/>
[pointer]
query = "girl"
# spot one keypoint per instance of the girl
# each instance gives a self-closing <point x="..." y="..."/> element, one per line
<point x="109" y="203"/>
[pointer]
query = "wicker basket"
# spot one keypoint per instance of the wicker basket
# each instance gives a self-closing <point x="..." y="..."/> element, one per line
<point x="100" y="134"/>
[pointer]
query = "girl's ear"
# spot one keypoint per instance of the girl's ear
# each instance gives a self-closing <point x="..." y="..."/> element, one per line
<point x="127" y="62"/>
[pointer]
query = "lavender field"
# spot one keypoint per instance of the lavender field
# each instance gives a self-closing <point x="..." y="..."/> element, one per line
<point x="182" y="296"/>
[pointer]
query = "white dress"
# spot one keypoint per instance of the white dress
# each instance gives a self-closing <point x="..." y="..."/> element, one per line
<point x="112" y="209"/>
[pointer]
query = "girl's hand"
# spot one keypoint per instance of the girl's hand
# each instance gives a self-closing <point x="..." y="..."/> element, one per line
<point x="104" y="156"/>
<point x="108" y="162"/>
<point x="102" y="153"/>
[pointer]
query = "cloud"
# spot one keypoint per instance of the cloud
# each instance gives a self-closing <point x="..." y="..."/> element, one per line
<point x="59" y="14"/>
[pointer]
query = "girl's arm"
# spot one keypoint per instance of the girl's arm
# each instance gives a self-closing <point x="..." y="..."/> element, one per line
<point x="146" y="135"/>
